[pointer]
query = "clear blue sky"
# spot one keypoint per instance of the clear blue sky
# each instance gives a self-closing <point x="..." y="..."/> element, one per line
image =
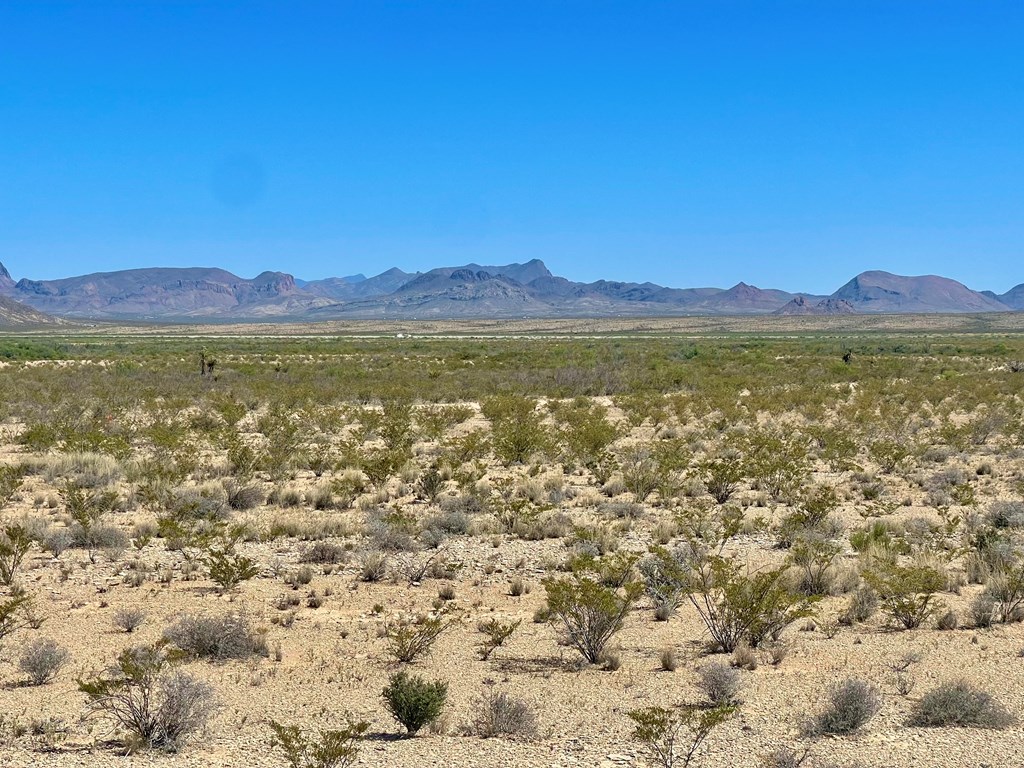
<point x="788" y="144"/>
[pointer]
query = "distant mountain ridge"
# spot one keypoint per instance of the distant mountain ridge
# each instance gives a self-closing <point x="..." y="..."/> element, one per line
<point x="526" y="289"/>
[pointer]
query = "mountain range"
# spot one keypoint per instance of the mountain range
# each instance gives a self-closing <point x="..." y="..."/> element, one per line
<point x="471" y="290"/>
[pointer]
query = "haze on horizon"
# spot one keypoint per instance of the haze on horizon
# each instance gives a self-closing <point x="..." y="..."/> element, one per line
<point x="785" y="144"/>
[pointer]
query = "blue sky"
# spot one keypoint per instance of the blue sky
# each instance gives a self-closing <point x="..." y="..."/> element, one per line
<point x="787" y="144"/>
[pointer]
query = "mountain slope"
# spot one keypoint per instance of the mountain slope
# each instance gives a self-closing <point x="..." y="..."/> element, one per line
<point x="1013" y="298"/>
<point x="801" y="305"/>
<point x="158" y="292"/>
<point x="14" y="314"/>
<point x="884" y="292"/>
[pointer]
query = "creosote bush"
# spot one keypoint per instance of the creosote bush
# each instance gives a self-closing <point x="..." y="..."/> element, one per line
<point x="589" y="612"/>
<point x="413" y="701"/>
<point x="330" y="748"/>
<point x="672" y="737"/>
<point x="156" y="706"/>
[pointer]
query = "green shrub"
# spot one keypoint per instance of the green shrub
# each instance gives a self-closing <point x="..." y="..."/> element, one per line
<point x="14" y="545"/>
<point x="332" y="748"/>
<point x="907" y="593"/>
<point x="959" y="703"/>
<point x="738" y="606"/>
<point x="413" y="701"/>
<point x="589" y="612"/>
<point x="410" y="639"/>
<point x="672" y="737"/>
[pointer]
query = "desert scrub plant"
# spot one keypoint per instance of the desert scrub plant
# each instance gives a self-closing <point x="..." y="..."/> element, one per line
<point x="774" y="461"/>
<point x="739" y="606"/>
<point x="813" y="558"/>
<point x="590" y="613"/>
<point x="226" y="567"/>
<point x="408" y="639"/>
<point x="331" y="748"/>
<point x="959" y="703"/>
<point x="495" y="634"/>
<point x="14" y="614"/>
<point x="495" y="713"/>
<point x="907" y="593"/>
<point x="15" y="543"/>
<point x="413" y="701"/>
<point x="721" y="475"/>
<point x="851" y="704"/>
<point x="41" y="660"/>
<point x="719" y="683"/>
<point x="666" y="578"/>
<point x="672" y="737"/>
<point x="216" y="637"/>
<point x="129" y="619"/>
<point x="517" y="431"/>
<point x="156" y="706"/>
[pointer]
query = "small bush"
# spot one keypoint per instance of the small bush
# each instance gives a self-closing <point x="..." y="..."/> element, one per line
<point x="410" y="639"/>
<point x="851" y="704"/>
<point x="216" y="637"/>
<point x="413" y="701"/>
<point x="129" y="619"/>
<point x="674" y="736"/>
<point x="959" y="703"/>
<point x="497" y="632"/>
<point x="325" y="553"/>
<point x="498" y="714"/>
<point x="907" y="592"/>
<point x="333" y="749"/>
<point x="41" y="660"/>
<point x="719" y="683"/>
<point x="158" y="707"/>
<point x="589" y="612"/>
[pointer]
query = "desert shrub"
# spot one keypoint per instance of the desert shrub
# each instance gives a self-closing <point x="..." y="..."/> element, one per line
<point x="408" y="639"/>
<point x="721" y="475"/>
<point x="373" y="566"/>
<point x="331" y="748"/>
<point x="391" y="530"/>
<point x="15" y="543"/>
<point x="813" y="557"/>
<point x="1006" y="514"/>
<point x="775" y="462"/>
<point x="228" y="568"/>
<point x="129" y="619"/>
<point x="589" y="612"/>
<point x="983" y="611"/>
<point x="907" y="593"/>
<point x="641" y="473"/>
<point x="41" y="659"/>
<point x="959" y="703"/>
<point x="851" y="704"/>
<point x="216" y="637"/>
<point x="666" y="578"/>
<point x="739" y="606"/>
<point x="672" y="737"/>
<point x="1006" y="591"/>
<point x="325" y="553"/>
<point x="413" y="701"/>
<point x="517" y="432"/>
<point x="14" y="614"/>
<point x="496" y="633"/>
<point x="243" y="497"/>
<point x="450" y="521"/>
<point x="719" y="683"/>
<point x="811" y="518"/>
<point x="495" y="713"/>
<point x="158" y="707"/>
<point x="948" y="621"/>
